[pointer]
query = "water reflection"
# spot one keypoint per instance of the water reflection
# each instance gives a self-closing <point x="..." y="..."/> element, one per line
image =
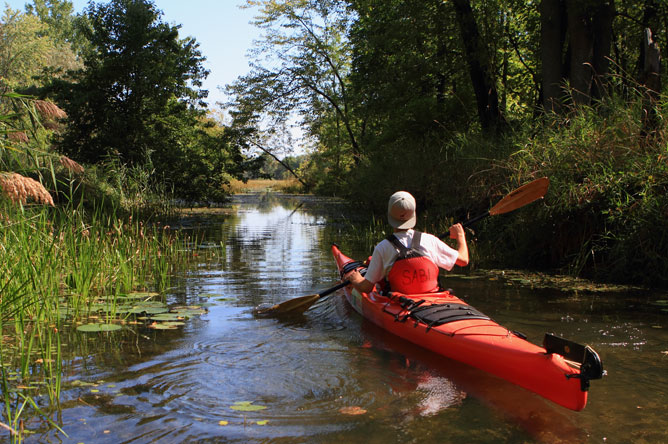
<point x="306" y="375"/>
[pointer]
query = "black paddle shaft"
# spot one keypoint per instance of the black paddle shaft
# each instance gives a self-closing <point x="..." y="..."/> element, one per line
<point x="334" y="288"/>
<point x="468" y="222"/>
<point x="350" y="266"/>
<point x="475" y="219"/>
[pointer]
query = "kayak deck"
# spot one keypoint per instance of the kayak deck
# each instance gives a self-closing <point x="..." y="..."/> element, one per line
<point x="446" y="325"/>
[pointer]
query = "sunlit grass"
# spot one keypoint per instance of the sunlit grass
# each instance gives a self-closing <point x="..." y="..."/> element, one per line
<point x="260" y="185"/>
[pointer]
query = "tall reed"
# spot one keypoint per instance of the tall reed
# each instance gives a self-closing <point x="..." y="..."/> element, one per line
<point x="56" y="261"/>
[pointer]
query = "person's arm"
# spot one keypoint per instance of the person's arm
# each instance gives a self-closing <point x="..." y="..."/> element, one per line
<point x="457" y="232"/>
<point x="374" y="272"/>
<point x="358" y="282"/>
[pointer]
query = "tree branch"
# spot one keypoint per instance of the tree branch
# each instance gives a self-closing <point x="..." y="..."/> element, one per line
<point x="285" y="165"/>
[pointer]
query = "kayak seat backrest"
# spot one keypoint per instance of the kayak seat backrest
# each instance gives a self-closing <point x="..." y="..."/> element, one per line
<point x="438" y="314"/>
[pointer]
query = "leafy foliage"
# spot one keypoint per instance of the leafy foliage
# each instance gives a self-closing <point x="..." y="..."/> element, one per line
<point x="607" y="204"/>
<point x="27" y="50"/>
<point x="403" y="116"/>
<point x="138" y="102"/>
<point x="137" y="67"/>
<point x="304" y="76"/>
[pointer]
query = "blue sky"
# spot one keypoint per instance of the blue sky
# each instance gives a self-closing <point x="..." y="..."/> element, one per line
<point x="220" y="26"/>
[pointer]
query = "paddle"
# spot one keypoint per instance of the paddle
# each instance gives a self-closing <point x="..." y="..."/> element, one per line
<point x="297" y="305"/>
<point x="518" y="198"/>
<point x="524" y="195"/>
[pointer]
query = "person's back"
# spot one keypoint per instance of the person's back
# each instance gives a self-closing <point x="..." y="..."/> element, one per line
<point x="407" y="259"/>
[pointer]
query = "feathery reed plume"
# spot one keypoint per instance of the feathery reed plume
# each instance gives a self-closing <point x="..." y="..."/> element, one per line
<point x="49" y="109"/>
<point x="19" y="188"/>
<point x="17" y="136"/>
<point x="71" y="165"/>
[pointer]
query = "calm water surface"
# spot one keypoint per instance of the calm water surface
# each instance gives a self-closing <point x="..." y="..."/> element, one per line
<point x="329" y="376"/>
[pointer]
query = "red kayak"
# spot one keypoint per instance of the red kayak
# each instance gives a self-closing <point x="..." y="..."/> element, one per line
<point x="444" y="324"/>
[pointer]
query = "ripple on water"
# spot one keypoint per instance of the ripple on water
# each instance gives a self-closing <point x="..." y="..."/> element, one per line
<point x="299" y="371"/>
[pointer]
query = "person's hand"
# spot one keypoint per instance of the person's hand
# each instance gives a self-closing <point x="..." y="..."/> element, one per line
<point x="457" y="232"/>
<point x="354" y="277"/>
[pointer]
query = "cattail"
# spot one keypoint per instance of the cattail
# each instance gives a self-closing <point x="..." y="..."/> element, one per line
<point x="19" y="188"/>
<point x="17" y="136"/>
<point x="49" y="109"/>
<point x="71" y="165"/>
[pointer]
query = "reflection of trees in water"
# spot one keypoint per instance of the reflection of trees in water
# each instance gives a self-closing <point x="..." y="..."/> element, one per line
<point x="90" y="352"/>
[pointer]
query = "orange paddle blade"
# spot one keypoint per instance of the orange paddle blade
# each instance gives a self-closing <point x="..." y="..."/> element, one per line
<point x="524" y="195"/>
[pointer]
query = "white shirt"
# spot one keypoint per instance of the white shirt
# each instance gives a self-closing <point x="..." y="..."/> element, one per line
<point x="431" y="246"/>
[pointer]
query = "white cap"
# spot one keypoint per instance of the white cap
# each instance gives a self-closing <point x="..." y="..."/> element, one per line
<point x="401" y="210"/>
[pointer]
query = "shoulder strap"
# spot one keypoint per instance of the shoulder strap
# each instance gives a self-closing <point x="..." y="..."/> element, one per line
<point x="397" y="244"/>
<point x="403" y="250"/>
<point x="415" y="243"/>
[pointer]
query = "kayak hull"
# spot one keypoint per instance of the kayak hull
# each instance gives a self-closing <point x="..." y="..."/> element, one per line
<point x="479" y="342"/>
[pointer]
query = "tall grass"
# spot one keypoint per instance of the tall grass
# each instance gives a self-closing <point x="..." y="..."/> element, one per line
<point x="61" y="260"/>
<point x="604" y="216"/>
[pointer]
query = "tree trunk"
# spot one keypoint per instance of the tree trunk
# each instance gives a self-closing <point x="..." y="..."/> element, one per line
<point x="602" y="27"/>
<point x="651" y="79"/>
<point x="479" y="68"/>
<point x="581" y="41"/>
<point x="552" y="36"/>
<point x="588" y="27"/>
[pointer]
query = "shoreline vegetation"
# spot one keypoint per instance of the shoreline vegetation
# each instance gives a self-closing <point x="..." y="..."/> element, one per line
<point x="70" y="269"/>
<point x="287" y="186"/>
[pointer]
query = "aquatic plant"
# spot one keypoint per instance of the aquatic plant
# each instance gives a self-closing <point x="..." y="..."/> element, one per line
<point x="63" y="266"/>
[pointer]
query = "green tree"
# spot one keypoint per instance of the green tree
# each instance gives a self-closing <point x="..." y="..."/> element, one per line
<point x="300" y="71"/>
<point x="27" y="50"/>
<point x="138" y="76"/>
<point x="62" y="25"/>
<point x="202" y="158"/>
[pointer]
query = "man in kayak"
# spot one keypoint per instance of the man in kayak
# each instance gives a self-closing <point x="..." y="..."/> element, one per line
<point x="407" y="259"/>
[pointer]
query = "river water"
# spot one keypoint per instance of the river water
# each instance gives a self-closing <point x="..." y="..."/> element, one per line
<point x="328" y="376"/>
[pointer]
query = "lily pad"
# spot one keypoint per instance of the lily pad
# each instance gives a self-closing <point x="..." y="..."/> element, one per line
<point x="166" y="317"/>
<point x="141" y="295"/>
<point x="186" y="307"/>
<point x="352" y="410"/>
<point x="149" y="310"/>
<point x="165" y="325"/>
<point x="247" y="406"/>
<point x="93" y="328"/>
<point x="188" y="311"/>
<point x="79" y="383"/>
<point x="173" y="323"/>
